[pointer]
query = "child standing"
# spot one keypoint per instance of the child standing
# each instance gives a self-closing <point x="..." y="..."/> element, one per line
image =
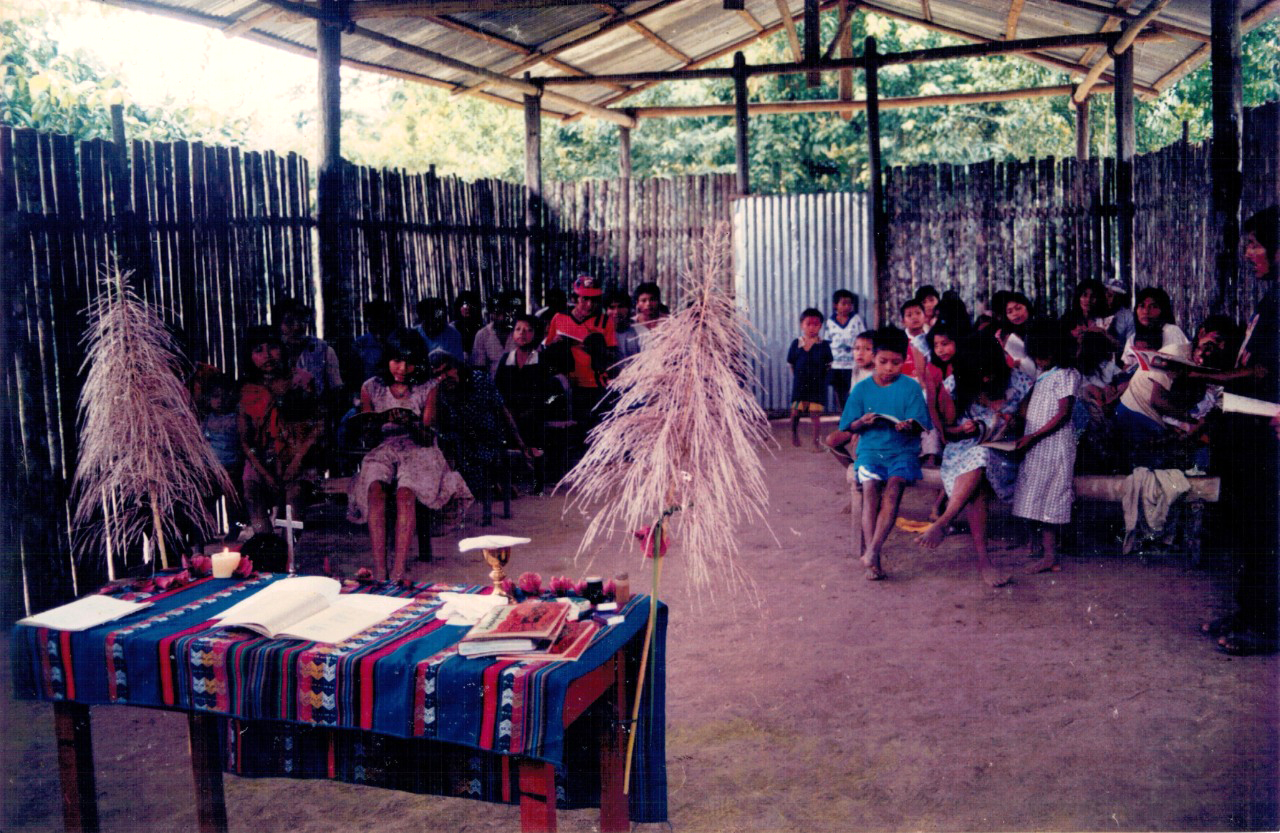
<point x="810" y="359"/>
<point x="888" y="452"/>
<point x="864" y="360"/>
<point x="913" y="321"/>
<point x="1044" y="490"/>
<point x="841" y="330"/>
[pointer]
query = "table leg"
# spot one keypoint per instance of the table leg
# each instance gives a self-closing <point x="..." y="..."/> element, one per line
<point x="615" y="816"/>
<point x="75" y="766"/>
<point x="206" y="767"/>
<point x="537" y="796"/>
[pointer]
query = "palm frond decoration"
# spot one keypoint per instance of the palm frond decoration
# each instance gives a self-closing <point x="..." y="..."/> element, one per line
<point x="141" y="447"/>
<point x="679" y="452"/>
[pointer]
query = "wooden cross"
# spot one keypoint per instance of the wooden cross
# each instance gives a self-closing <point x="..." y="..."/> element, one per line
<point x="289" y="525"/>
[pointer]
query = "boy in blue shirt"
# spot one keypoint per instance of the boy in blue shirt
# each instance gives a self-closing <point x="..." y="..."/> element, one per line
<point x="888" y="449"/>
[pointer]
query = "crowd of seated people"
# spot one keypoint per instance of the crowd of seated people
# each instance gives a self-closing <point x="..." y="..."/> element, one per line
<point x="420" y="414"/>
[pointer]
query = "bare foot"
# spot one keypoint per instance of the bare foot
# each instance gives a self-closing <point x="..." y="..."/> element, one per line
<point x="932" y="537"/>
<point x="1047" y="564"/>
<point x="865" y="558"/>
<point x="817" y="449"/>
<point x="875" y="574"/>
<point x="994" y="577"/>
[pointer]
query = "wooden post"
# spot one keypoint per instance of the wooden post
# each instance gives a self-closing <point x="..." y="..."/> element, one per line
<point x="75" y="766"/>
<point x="879" y="230"/>
<point x="846" y="51"/>
<point x="740" y="123"/>
<point x="206" y="770"/>
<point x="333" y="305"/>
<point x="1082" y="130"/>
<point x="533" y="196"/>
<point x="812" y="38"/>
<point x="1225" y="156"/>
<point x="624" y="172"/>
<point x="1124" y="165"/>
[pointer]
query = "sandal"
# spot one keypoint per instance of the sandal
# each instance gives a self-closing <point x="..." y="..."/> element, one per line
<point x="1245" y="642"/>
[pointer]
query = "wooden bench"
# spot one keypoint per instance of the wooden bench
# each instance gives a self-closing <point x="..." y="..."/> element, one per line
<point x="1100" y="487"/>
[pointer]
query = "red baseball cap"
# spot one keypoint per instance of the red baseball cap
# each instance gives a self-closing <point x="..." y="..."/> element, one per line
<point x="587" y="287"/>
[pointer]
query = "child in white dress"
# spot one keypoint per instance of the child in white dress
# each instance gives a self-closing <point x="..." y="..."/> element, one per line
<point x="1044" y="491"/>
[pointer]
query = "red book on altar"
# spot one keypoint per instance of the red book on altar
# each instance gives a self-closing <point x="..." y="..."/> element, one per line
<point x="527" y="626"/>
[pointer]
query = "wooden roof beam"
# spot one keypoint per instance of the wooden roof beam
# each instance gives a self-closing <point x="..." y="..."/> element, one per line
<point x="706" y="59"/>
<point x="373" y="9"/>
<point x="913" y="56"/>
<point x="1248" y="22"/>
<point x="244" y="24"/>
<point x="497" y="40"/>
<point x="539" y="54"/>
<point x="1131" y="31"/>
<point x="653" y="38"/>
<point x="750" y="20"/>
<point x="1040" y="58"/>
<point x="925" y="11"/>
<point x="1109" y="25"/>
<point x="789" y="22"/>
<point x="843" y="32"/>
<point x="524" y="87"/>
<point x="829" y="105"/>
<point x="1120" y="13"/>
<point x="1011" y="22"/>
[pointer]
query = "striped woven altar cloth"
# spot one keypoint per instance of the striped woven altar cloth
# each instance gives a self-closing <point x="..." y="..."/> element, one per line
<point x="394" y="706"/>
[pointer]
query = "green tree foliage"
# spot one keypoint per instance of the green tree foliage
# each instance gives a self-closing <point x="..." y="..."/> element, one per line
<point x="388" y="123"/>
<point x="48" y="89"/>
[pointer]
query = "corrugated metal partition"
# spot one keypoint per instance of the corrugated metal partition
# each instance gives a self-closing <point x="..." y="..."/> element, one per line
<point x="792" y="252"/>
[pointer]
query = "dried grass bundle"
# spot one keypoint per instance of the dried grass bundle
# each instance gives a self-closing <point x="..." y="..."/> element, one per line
<point x="140" y="441"/>
<point x="686" y="431"/>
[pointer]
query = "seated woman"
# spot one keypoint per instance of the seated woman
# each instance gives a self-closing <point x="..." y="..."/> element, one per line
<point x="987" y="396"/>
<point x="1161" y="415"/>
<point x="525" y="382"/>
<point x="473" y="420"/>
<point x="1154" y="327"/>
<point x="267" y="380"/>
<point x="405" y="462"/>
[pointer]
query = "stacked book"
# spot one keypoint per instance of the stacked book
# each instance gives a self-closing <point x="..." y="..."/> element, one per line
<point x="531" y="630"/>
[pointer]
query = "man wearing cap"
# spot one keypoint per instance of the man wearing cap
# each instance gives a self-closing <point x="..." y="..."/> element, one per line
<point x="594" y="345"/>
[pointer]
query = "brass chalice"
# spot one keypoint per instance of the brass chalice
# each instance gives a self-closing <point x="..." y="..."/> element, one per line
<point x="497" y="552"/>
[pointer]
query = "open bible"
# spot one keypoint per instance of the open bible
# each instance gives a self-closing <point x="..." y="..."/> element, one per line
<point x="310" y="608"/>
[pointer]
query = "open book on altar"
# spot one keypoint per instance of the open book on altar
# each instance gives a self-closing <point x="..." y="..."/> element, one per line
<point x="310" y="608"/>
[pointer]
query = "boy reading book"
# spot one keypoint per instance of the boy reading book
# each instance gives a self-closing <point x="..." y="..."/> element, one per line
<point x="888" y="456"/>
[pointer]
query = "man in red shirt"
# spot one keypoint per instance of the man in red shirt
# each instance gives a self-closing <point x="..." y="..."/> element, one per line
<point x="593" y="345"/>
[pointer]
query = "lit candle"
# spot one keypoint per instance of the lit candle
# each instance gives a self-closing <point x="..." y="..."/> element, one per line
<point x="225" y="563"/>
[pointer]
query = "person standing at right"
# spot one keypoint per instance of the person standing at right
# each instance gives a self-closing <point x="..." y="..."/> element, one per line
<point x="1245" y="456"/>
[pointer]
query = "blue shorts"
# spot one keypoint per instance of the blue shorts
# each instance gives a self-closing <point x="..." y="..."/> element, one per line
<point x="907" y="469"/>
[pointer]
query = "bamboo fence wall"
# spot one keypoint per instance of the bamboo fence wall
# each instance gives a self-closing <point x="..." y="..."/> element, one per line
<point x="1042" y="226"/>
<point x="411" y="236"/>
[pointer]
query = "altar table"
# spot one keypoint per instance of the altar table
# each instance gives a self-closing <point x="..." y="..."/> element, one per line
<point x="395" y="706"/>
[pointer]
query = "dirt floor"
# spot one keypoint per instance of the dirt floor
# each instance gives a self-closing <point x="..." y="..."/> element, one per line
<point x="1081" y="700"/>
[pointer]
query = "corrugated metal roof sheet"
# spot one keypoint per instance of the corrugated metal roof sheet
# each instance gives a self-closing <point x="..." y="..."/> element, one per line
<point x="589" y="38"/>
